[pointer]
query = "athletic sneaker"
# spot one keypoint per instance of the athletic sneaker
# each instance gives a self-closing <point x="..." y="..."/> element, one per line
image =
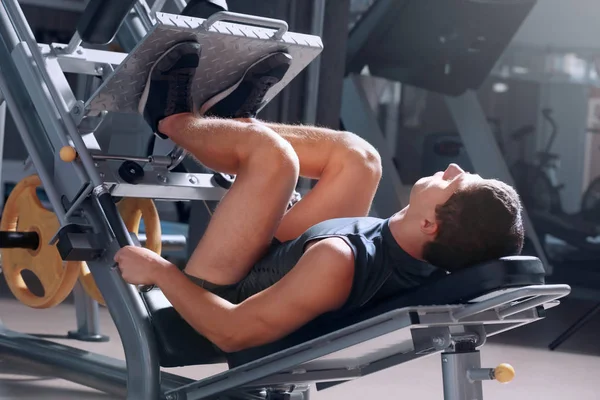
<point x="168" y="89"/>
<point x="246" y="97"/>
<point x="204" y="8"/>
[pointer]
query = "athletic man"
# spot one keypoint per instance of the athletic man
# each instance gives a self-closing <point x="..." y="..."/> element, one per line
<point x="262" y="271"/>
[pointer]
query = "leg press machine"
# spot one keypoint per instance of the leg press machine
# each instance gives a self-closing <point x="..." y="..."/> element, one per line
<point x="451" y="316"/>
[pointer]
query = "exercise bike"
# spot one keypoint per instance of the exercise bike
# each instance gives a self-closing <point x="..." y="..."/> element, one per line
<point x="539" y="189"/>
<point x="536" y="182"/>
<point x="590" y="202"/>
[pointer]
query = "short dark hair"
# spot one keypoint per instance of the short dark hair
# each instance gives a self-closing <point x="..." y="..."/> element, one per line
<point x="478" y="223"/>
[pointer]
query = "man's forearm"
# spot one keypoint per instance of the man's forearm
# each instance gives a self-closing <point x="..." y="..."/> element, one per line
<point x="206" y="312"/>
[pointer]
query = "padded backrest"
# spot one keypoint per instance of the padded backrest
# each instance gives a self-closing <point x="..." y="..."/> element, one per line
<point x="101" y="20"/>
<point x="456" y="288"/>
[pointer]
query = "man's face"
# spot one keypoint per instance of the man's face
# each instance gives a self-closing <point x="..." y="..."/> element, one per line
<point x="432" y="191"/>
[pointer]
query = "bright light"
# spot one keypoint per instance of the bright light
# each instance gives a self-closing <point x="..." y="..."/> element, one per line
<point x="520" y="70"/>
<point x="500" y="87"/>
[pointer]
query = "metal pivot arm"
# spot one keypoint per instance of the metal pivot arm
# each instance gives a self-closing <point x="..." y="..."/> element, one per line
<point x="124" y="303"/>
<point x="115" y="221"/>
<point x="101" y="20"/>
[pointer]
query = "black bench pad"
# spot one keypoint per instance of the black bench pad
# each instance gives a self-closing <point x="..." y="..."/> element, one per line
<point x="180" y="345"/>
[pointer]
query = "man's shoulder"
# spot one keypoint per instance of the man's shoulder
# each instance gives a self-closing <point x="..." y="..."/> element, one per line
<point x="347" y="226"/>
<point x="335" y="249"/>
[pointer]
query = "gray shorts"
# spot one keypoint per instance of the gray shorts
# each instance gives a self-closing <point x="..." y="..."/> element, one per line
<point x="227" y="292"/>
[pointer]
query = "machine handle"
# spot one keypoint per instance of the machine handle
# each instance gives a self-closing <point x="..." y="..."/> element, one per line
<point x="503" y="373"/>
<point x="281" y="25"/>
<point x="118" y="227"/>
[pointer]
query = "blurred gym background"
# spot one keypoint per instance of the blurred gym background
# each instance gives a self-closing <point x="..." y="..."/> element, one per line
<point x="540" y="98"/>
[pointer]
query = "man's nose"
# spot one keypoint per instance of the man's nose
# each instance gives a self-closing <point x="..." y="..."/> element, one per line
<point x="452" y="171"/>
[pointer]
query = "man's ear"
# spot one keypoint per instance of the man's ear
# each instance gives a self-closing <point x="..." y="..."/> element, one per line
<point x="429" y="227"/>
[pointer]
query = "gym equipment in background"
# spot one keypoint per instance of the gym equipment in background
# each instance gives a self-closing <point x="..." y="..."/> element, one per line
<point x="458" y="44"/>
<point x="440" y="149"/>
<point x="590" y="201"/>
<point x="536" y="182"/>
<point x="27" y="229"/>
<point x="540" y="192"/>
<point x="458" y="41"/>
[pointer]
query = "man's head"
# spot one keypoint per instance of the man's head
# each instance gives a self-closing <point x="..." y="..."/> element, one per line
<point x="464" y="219"/>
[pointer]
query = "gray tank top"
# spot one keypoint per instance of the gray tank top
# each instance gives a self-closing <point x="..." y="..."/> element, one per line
<point x="382" y="267"/>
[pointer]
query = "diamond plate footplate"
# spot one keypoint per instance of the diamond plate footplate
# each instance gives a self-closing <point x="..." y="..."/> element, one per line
<point x="228" y="49"/>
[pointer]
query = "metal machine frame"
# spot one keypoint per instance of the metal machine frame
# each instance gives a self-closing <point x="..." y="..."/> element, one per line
<point x="389" y="339"/>
<point x="49" y="116"/>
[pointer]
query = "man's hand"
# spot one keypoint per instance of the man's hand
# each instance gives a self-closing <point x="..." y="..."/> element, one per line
<point x="140" y="266"/>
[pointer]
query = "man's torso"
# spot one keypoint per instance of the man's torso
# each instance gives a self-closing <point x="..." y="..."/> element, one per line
<point x="382" y="268"/>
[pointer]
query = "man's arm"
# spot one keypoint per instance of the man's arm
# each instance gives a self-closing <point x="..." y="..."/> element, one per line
<point x="321" y="282"/>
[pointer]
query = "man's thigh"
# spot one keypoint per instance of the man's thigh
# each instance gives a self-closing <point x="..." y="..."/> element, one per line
<point x="337" y="195"/>
<point x="243" y="225"/>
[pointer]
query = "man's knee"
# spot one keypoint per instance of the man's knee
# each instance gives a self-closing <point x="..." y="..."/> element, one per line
<point x="272" y="153"/>
<point x="360" y="156"/>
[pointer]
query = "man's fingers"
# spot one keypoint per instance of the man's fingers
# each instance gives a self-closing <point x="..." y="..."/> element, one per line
<point x="119" y="254"/>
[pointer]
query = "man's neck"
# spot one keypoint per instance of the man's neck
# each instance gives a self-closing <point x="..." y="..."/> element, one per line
<point x="405" y="235"/>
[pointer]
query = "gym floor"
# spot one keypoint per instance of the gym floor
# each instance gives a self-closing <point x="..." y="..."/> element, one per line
<point x="541" y="374"/>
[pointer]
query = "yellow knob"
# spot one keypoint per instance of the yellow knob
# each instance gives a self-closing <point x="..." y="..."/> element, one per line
<point x="68" y="154"/>
<point x="504" y="373"/>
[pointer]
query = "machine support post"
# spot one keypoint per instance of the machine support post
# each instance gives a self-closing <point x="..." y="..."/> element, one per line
<point x="86" y="312"/>
<point x="2" y="127"/>
<point x="86" y="308"/>
<point x="456" y="368"/>
<point x="127" y="310"/>
<point x="32" y="150"/>
<point x="23" y="29"/>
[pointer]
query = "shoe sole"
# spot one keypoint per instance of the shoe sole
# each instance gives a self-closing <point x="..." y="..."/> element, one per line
<point x="220" y="96"/>
<point x="146" y="92"/>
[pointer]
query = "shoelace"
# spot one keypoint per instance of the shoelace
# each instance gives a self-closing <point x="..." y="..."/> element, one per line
<point x="258" y="94"/>
<point x="182" y="80"/>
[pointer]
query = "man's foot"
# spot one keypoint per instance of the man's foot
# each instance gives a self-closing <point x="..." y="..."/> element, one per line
<point x="246" y="97"/>
<point x="168" y="90"/>
<point x="204" y="8"/>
